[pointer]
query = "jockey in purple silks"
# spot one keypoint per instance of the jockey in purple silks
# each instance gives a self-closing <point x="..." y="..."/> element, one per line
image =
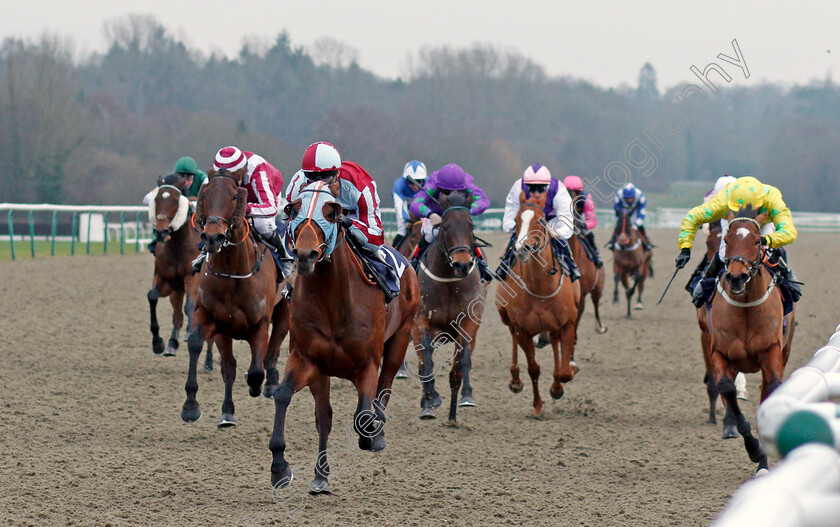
<point x="450" y="178"/>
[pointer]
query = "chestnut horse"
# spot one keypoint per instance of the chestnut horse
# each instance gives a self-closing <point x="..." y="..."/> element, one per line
<point x="177" y="246"/>
<point x="411" y="239"/>
<point x="749" y="331"/>
<point x="535" y="297"/>
<point x="592" y="280"/>
<point x="729" y="429"/>
<point x="630" y="259"/>
<point x="452" y="296"/>
<point x="237" y="296"/>
<point x="340" y="327"/>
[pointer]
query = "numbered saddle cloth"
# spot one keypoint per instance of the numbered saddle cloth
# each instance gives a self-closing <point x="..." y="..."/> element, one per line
<point x="392" y="271"/>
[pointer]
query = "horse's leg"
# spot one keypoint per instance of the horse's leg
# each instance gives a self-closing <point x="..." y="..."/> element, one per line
<point x="228" y="363"/>
<point x="392" y="361"/>
<point x="320" y="388"/>
<point x="562" y="344"/>
<point x="615" y="290"/>
<point x="533" y="369"/>
<point x="772" y="370"/>
<point x="176" y="298"/>
<point x="191" y="410"/>
<point x="297" y="376"/>
<point x="628" y="291"/>
<point x="465" y="363"/>
<point x="157" y="342"/>
<point x="279" y="330"/>
<point x="515" y="384"/>
<point x="726" y="389"/>
<point x="595" y="295"/>
<point x="365" y="421"/>
<point x="208" y="357"/>
<point x="256" y="372"/>
<point x="189" y="305"/>
<point x="711" y="387"/>
<point x="640" y="285"/>
<point x="455" y="377"/>
<point x="430" y="398"/>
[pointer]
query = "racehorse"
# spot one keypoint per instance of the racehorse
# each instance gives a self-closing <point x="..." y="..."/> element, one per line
<point x="535" y="297"/>
<point x="340" y="327"/>
<point x="407" y="245"/>
<point x="630" y="259"/>
<point x="452" y="296"/>
<point x="237" y="295"/>
<point x="592" y="280"/>
<point x="177" y="246"/>
<point x="729" y="429"/>
<point x="749" y="331"/>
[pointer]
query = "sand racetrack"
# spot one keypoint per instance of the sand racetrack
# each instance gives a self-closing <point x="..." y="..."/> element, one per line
<point x="90" y="432"/>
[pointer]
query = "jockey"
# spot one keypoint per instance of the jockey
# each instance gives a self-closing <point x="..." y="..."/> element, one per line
<point x="585" y="217"/>
<point x="720" y="184"/>
<point x="633" y="200"/>
<point x="191" y="179"/>
<point x="776" y="233"/>
<point x="356" y="193"/>
<point x="264" y="184"/>
<point x="558" y="213"/>
<point x="450" y="178"/>
<point x="414" y="175"/>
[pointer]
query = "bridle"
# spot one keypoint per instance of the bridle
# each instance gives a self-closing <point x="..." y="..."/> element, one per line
<point x="168" y="230"/>
<point x="449" y="251"/>
<point x="322" y="252"/>
<point x="623" y="221"/>
<point x="753" y="266"/>
<point x="554" y="270"/>
<point x="225" y="222"/>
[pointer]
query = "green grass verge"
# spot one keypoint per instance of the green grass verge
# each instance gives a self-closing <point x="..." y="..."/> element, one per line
<point x="23" y="249"/>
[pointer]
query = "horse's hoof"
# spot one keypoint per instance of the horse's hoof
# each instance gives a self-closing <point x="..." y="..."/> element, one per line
<point x="711" y="421"/>
<point x="427" y="413"/>
<point x="436" y="401"/>
<point x="364" y="443"/>
<point x="169" y="351"/>
<point x="254" y="391"/>
<point x="157" y="345"/>
<point x="542" y="342"/>
<point x="515" y="387"/>
<point x="208" y="365"/>
<point x="226" y="421"/>
<point x="269" y="389"/>
<point x="761" y="472"/>
<point x="283" y="479"/>
<point x="377" y="444"/>
<point x="466" y="401"/>
<point x="639" y="306"/>
<point x="320" y="486"/>
<point x="730" y="432"/>
<point x="574" y="368"/>
<point x="558" y="394"/>
<point x="601" y="330"/>
<point x="190" y="415"/>
<point x="743" y="395"/>
<point x="402" y="373"/>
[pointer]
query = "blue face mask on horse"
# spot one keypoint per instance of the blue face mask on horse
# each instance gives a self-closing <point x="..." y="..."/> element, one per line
<point x="313" y="198"/>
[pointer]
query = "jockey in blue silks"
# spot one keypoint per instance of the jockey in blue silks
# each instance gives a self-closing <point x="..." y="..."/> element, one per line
<point x="405" y="188"/>
<point x="632" y="200"/>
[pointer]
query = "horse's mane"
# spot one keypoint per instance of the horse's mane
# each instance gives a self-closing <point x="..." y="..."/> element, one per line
<point x="457" y="199"/>
<point x="747" y="212"/>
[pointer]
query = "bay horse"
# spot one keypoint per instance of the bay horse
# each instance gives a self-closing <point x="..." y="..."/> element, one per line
<point x="452" y="297"/>
<point x="177" y="246"/>
<point x="630" y="260"/>
<point x="535" y="297"/>
<point x="237" y="296"/>
<point x="340" y="327"/>
<point x="407" y="245"/>
<point x="749" y="331"/>
<point x="729" y="429"/>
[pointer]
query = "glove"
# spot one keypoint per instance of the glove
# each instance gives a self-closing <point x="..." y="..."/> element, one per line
<point x="346" y="222"/>
<point x="765" y="241"/>
<point x="683" y="258"/>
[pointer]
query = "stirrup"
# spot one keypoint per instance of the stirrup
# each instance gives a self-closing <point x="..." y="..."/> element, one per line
<point x="698" y="298"/>
<point x="199" y="260"/>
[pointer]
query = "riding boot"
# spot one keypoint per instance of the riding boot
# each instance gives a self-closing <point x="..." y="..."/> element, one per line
<point x="483" y="269"/>
<point x="196" y="264"/>
<point x="596" y="258"/>
<point x="277" y="244"/>
<point x="398" y="239"/>
<point x="645" y="239"/>
<point x="507" y="259"/>
<point x="419" y="251"/>
<point x="697" y="272"/>
<point x="153" y="245"/>
<point x="565" y="255"/>
<point x="778" y="259"/>
<point x="698" y="297"/>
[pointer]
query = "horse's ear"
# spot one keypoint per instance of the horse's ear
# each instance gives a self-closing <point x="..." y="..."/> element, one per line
<point x="199" y="206"/>
<point x="211" y="172"/>
<point x="331" y="211"/>
<point x="292" y="208"/>
<point x="730" y="216"/>
<point x="469" y="201"/>
<point x="522" y="198"/>
<point x="160" y="180"/>
<point x="763" y="217"/>
<point x="241" y="203"/>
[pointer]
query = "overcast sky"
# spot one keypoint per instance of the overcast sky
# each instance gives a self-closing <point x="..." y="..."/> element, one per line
<point x="603" y="42"/>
